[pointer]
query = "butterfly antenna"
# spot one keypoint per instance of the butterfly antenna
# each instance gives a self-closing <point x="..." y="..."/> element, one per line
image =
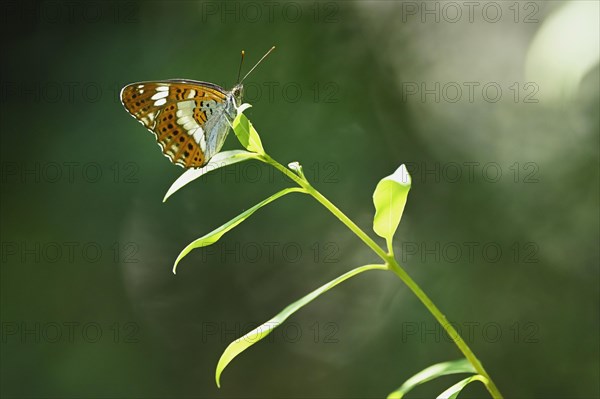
<point x="240" y="69"/>
<point x="259" y="61"/>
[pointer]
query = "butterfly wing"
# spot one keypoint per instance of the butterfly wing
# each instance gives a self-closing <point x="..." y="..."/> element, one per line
<point x="186" y="117"/>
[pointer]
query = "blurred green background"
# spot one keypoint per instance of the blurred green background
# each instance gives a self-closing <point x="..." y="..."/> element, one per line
<point x="493" y="105"/>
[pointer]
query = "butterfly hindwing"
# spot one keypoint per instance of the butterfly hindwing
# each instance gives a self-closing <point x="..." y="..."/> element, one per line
<point x="181" y="147"/>
<point x="183" y="115"/>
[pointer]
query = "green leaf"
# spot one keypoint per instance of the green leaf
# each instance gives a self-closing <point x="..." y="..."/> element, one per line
<point x="389" y="199"/>
<point x="432" y="372"/>
<point x="243" y="107"/>
<point x="454" y="390"/>
<point x="216" y="234"/>
<point x="246" y="134"/>
<point x="243" y="343"/>
<point x="218" y="161"/>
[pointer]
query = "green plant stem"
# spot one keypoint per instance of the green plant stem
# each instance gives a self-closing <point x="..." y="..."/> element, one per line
<point x="395" y="267"/>
<point x="450" y="330"/>
<point x="329" y="205"/>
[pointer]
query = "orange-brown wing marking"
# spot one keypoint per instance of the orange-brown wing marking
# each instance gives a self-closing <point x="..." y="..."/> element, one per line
<point x="137" y="97"/>
<point x="178" y="143"/>
<point x="182" y="150"/>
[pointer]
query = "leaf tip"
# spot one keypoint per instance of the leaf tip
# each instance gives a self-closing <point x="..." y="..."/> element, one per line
<point x="402" y="176"/>
<point x="168" y="193"/>
<point x="175" y="265"/>
<point x="243" y="107"/>
<point x="219" y="370"/>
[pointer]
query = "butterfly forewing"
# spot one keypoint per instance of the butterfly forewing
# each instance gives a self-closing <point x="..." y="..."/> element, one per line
<point x="183" y="115"/>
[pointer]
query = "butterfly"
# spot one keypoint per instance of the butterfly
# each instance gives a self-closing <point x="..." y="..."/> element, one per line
<point x="190" y="119"/>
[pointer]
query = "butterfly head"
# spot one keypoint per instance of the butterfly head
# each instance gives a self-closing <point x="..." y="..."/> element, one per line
<point x="237" y="93"/>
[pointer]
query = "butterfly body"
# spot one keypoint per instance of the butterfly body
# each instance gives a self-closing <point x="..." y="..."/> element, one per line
<point x="190" y="119"/>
